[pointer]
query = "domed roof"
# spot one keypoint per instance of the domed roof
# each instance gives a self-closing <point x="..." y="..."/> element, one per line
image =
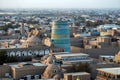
<point x="52" y="67"/>
<point x="34" y="39"/>
<point x="51" y="70"/>
<point x="57" y="77"/>
<point x="10" y="30"/>
<point x="50" y="59"/>
<point x="14" y="41"/>
<point x="45" y="57"/>
<point x="119" y="53"/>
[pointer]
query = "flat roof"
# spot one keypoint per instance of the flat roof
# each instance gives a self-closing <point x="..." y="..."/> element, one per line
<point x="109" y="26"/>
<point x="88" y="60"/>
<point x="107" y="56"/>
<point x="71" y="54"/>
<point x="6" y="79"/>
<point x="25" y="63"/>
<point x="56" y="53"/>
<point x="114" y="71"/>
<point x="78" y="73"/>
<point x="45" y="79"/>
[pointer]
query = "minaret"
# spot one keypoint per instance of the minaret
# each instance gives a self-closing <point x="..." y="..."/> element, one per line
<point x="23" y="31"/>
<point x="60" y="36"/>
<point x="51" y="49"/>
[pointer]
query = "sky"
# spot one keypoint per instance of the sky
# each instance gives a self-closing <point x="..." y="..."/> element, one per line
<point x="59" y="3"/>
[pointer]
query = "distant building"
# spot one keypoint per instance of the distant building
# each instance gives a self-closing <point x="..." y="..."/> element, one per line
<point x="82" y="35"/>
<point x="107" y="29"/>
<point x="24" y="30"/>
<point x="60" y="35"/>
<point x="95" y="33"/>
<point x="106" y="58"/>
<point x="104" y="41"/>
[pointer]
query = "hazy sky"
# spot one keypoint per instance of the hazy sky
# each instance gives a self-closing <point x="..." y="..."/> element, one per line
<point x="59" y="3"/>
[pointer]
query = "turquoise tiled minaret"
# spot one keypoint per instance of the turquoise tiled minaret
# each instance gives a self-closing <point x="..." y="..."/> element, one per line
<point x="60" y="35"/>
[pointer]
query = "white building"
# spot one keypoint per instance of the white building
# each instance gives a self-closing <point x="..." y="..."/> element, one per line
<point x="107" y="27"/>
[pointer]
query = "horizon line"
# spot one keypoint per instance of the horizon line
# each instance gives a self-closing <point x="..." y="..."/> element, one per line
<point x="61" y="8"/>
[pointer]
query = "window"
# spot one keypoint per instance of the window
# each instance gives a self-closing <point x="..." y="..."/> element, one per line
<point x="55" y="70"/>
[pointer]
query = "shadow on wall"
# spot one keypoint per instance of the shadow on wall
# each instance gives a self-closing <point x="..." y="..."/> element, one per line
<point x="75" y="49"/>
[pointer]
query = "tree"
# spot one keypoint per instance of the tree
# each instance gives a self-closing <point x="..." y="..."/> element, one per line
<point x="3" y="56"/>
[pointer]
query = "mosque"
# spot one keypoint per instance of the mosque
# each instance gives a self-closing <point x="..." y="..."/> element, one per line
<point x="33" y="39"/>
<point x="49" y="66"/>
